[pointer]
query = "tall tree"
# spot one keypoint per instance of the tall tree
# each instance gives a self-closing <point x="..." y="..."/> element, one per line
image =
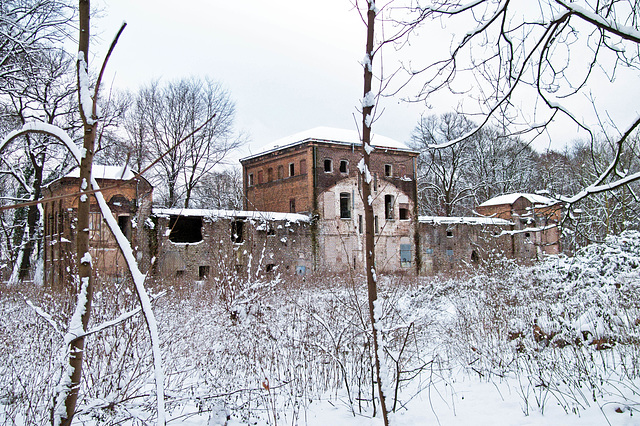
<point x="170" y="114"/>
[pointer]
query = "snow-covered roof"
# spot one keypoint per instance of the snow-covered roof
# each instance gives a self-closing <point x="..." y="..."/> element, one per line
<point x="105" y="172"/>
<point x="329" y="134"/>
<point x="230" y="214"/>
<point x="444" y="220"/>
<point x="511" y="198"/>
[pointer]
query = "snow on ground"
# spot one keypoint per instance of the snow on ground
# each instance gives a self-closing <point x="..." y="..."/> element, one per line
<point x="553" y="344"/>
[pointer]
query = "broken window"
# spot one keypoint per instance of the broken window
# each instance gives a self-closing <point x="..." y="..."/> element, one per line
<point x="203" y="272"/>
<point x="405" y="255"/>
<point x="328" y="165"/>
<point x="344" y="166"/>
<point x="388" y="207"/>
<point x="345" y="205"/>
<point x="185" y="229"/>
<point x="292" y="169"/>
<point x="403" y="213"/>
<point x="124" y="223"/>
<point x="388" y="170"/>
<point x="237" y="226"/>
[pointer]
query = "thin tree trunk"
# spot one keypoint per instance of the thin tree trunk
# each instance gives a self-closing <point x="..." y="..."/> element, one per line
<point x="367" y="118"/>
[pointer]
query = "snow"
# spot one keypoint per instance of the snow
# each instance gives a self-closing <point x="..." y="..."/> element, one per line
<point x="364" y="170"/>
<point x="329" y="134"/>
<point x="444" y="220"/>
<point x="369" y="100"/>
<point x="86" y="102"/>
<point x="105" y="172"/>
<point x="512" y="198"/>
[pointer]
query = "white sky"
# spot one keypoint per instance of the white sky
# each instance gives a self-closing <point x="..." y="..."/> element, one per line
<point x="290" y="65"/>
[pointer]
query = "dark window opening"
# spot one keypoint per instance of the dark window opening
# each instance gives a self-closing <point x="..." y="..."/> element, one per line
<point x="292" y="169"/>
<point x="270" y="267"/>
<point x="250" y="179"/>
<point x="474" y="257"/>
<point x="403" y="213"/>
<point x="375" y="182"/>
<point x="345" y="205"/>
<point x="388" y="207"/>
<point x="449" y="234"/>
<point x="344" y="166"/>
<point x="203" y="272"/>
<point x="303" y="167"/>
<point x="185" y="229"/>
<point x="180" y="273"/>
<point x="388" y="170"/>
<point x="527" y="235"/>
<point x="237" y="228"/>
<point x="328" y="165"/>
<point x="292" y="205"/>
<point x="360" y="224"/>
<point x="280" y="172"/>
<point x="375" y="225"/>
<point x="270" y="231"/>
<point x="124" y="223"/>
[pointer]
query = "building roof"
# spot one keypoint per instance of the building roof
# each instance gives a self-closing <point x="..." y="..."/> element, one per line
<point x="512" y="198"/>
<point x="444" y="220"/>
<point x="329" y="134"/>
<point x="105" y="172"/>
<point x="231" y="214"/>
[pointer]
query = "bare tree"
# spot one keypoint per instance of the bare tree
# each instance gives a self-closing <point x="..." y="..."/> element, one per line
<point x="531" y="63"/>
<point x="220" y="190"/>
<point x="171" y="112"/>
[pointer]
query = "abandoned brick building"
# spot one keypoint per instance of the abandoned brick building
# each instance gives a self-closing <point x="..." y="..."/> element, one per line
<point x="303" y="213"/>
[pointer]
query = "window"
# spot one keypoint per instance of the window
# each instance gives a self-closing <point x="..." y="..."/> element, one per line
<point x="449" y="234"/>
<point x="292" y="169"/>
<point x="388" y="170"/>
<point x="405" y="255"/>
<point x="375" y="225"/>
<point x="185" y="229"/>
<point x="375" y="182"/>
<point x="203" y="272"/>
<point x="270" y="267"/>
<point x="345" y="205"/>
<point x="250" y="179"/>
<point x="292" y="205"/>
<point x="450" y="252"/>
<point x="328" y="165"/>
<point x="269" y="174"/>
<point x="303" y="167"/>
<point x="280" y="172"/>
<point x="388" y="207"/>
<point x="260" y="177"/>
<point x="403" y="213"/>
<point x="360" y="224"/>
<point x="237" y="226"/>
<point x="124" y="223"/>
<point x="344" y="166"/>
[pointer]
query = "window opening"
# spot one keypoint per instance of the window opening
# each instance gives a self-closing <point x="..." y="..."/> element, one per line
<point x="292" y="169"/>
<point x="185" y="229"/>
<point x="449" y="234"/>
<point x="360" y="223"/>
<point x="237" y="228"/>
<point x="388" y="170"/>
<point x="388" y="207"/>
<point x="124" y="223"/>
<point x="292" y="205"/>
<point x="403" y="213"/>
<point x="328" y="165"/>
<point x="474" y="257"/>
<point x="270" y="267"/>
<point x="344" y="166"/>
<point x="250" y="179"/>
<point x="203" y="272"/>
<point x="405" y="255"/>
<point x="375" y="225"/>
<point x="345" y="205"/>
<point x="375" y="182"/>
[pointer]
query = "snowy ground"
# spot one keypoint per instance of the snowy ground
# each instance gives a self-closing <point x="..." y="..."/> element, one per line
<point x="554" y="344"/>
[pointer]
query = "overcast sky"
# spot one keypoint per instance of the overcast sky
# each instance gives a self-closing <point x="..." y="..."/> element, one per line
<point x="290" y="65"/>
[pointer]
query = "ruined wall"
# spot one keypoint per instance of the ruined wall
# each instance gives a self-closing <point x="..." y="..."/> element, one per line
<point x="233" y="244"/>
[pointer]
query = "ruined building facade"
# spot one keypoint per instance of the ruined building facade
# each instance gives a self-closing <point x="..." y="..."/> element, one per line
<point x="303" y="214"/>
